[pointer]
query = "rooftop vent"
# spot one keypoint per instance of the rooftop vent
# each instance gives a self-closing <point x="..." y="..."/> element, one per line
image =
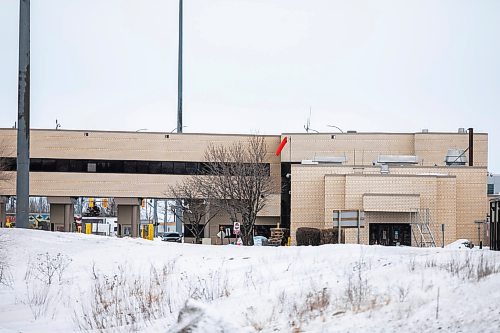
<point x="397" y="159"/>
<point x="456" y="157"/>
<point x="330" y="159"/>
<point x="461" y="130"/>
<point x="425" y="130"/>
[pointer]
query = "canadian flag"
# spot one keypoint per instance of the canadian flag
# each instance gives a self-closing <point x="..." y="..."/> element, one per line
<point x="282" y="145"/>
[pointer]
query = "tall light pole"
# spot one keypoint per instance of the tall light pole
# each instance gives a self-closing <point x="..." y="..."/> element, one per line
<point x="23" y="116"/>
<point x="179" y="74"/>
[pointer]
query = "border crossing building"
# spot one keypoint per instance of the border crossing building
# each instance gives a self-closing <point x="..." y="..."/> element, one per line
<point x="403" y="188"/>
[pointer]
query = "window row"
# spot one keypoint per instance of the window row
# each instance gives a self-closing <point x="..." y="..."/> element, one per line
<point x="116" y="166"/>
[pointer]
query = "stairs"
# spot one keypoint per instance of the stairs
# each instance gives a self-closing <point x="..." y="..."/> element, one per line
<point x="421" y="228"/>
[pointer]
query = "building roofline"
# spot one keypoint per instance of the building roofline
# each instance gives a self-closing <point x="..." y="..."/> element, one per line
<point x="245" y="134"/>
<point x="142" y="132"/>
<point x="383" y="133"/>
<point x="332" y="165"/>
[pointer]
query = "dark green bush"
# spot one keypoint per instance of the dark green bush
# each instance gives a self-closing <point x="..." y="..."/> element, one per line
<point x="308" y="236"/>
<point x="329" y="236"/>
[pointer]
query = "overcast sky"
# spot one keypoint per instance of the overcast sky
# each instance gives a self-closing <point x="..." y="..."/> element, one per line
<point x="259" y="65"/>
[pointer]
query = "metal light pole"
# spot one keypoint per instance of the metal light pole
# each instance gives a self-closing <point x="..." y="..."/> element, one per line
<point x="23" y="116"/>
<point x="179" y="74"/>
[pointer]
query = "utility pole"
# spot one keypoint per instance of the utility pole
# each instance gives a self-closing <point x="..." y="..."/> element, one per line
<point x="23" y="117"/>
<point x="179" y="74"/>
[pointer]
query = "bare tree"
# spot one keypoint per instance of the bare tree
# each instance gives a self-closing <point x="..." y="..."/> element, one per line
<point x="191" y="208"/>
<point x="238" y="177"/>
<point x="39" y="205"/>
<point x="5" y="162"/>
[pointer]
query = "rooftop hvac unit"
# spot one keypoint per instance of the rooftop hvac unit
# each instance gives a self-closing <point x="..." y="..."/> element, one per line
<point x="397" y="159"/>
<point x="456" y="157"/>
<point x="330" y="159"/>
<point x="425" y="130"/>
<point x="461" y="130"/>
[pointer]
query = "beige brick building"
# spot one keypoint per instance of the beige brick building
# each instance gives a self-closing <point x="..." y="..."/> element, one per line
<point x="392" y="193"/>
<point x="395" y="179"/>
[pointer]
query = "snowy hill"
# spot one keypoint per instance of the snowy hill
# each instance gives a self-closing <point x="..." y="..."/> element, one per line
<point x="57" y="282"/>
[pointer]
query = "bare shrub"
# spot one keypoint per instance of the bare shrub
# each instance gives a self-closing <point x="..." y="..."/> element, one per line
<point x="357" y="290"/>
<point x="412" y="264"/>
<point x="5" y="274"/>
<point x="259" y="322"/>
<point x="125" y="300"/>
<point x="302" y="309"/>
<point x="485" y="267"/>
<point x="403" y="293"/>
<point x="430" y="263"/>
<point x="473" y="266"/>
<point x="209" y="288"/>
<point x="46" y="267"/>
<point x="38" y="299"/>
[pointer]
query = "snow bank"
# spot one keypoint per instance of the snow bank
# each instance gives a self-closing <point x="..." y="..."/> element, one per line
<point x="122" y="285"/>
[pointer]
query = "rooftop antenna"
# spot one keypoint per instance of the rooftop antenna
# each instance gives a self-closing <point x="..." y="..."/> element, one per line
<point x="58" y="125"/>
<point x="307" y="126"/>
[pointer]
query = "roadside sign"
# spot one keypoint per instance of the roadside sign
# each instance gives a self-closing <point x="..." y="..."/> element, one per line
<point x="236" y="228"/>
<point x="221" y="234"/>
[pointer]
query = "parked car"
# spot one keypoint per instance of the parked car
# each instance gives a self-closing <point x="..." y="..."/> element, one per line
<point x="172" y="237"/>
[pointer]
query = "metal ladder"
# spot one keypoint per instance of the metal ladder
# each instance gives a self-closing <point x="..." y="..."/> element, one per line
<point x="420" y="225"/>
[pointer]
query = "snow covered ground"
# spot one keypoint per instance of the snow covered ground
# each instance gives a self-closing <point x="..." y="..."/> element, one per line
<point x="57" y="282"/>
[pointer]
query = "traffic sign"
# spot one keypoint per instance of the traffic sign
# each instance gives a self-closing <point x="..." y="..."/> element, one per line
<point x="236" y="228"/>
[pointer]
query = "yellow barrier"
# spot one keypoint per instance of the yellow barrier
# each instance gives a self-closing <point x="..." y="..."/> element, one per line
<point x="151" y="231"/>
<point x="88" y="228"/>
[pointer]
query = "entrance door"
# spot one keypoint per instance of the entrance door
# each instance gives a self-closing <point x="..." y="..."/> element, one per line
<point x="390" y="234"/>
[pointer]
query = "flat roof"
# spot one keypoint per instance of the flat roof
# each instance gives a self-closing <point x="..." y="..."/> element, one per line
<point x="245" y="134"/>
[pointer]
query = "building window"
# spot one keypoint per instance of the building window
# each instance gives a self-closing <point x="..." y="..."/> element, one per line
<point x="91" y="167"/>
<point x="491" y="188"/>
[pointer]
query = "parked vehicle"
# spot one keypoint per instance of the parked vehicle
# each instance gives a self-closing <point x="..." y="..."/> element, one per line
<point x="172" y="237"/>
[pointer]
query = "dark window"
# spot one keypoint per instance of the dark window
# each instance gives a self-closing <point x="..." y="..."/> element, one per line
<point x="103" y="167"/>
<point x="192" y="168"/>
<point x="188" y="233"/>
<point x="154" y="167"/>
<point x="167" y="167"/>
<point x="204" y="168"/>
<point x="491" y="188"/>
<point x="142" y="166"/>
<point x="129" y="167"/>
<point x="179" y="168"/>
<point x="8" y="163"/>
<point x="78" y="166"/>
<point x="48" y="165"/>
<point x="62" y="165"/>
<point x="116" y="166"/>
<point x="35" y="164"/>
